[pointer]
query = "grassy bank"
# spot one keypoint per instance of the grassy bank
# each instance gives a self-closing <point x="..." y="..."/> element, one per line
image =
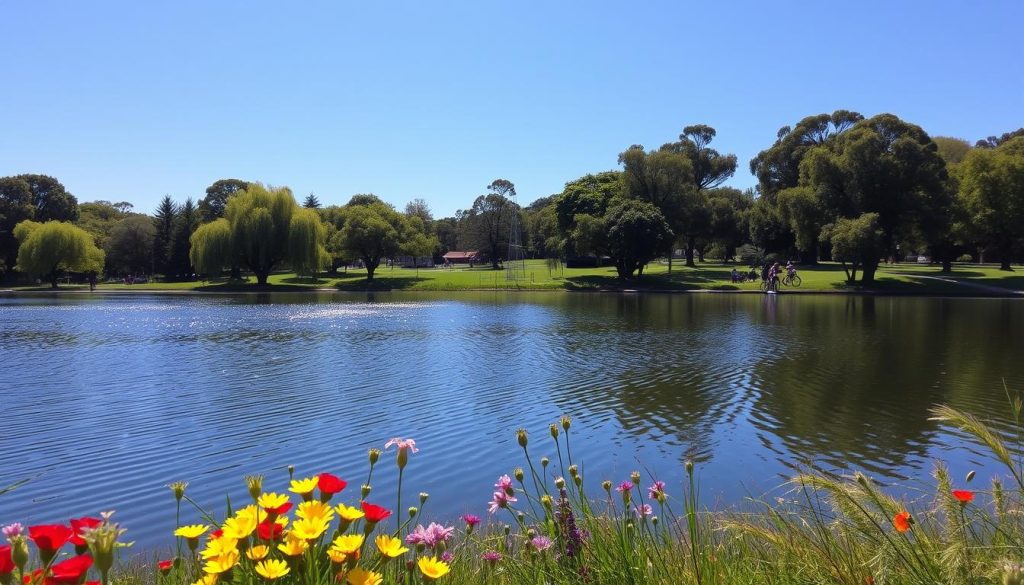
<point x="965" y="279"/>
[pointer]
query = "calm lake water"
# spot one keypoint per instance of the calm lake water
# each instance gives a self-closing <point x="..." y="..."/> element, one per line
<point x="106" y="399"/>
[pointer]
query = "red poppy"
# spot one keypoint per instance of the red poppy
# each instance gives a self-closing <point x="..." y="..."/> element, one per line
<point x="36" y="578"/>
<point x="902" y="521"/>
<point x="374" y="513"/>
<point x="165" y="566"/>
<point x="49" y="537"/>
<point x="330" y="484"/>
<point x="282" y="509"/>
<point x="72" y="570"/>
<point x="77" y="524"/>
<point x="216" y="534"/>
<point x="6" y="562"/>
<point x="963" y="496"/>
<point x="267" y="530"/>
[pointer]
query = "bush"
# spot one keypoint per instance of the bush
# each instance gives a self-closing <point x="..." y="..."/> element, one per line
<point x="750" y="255"/>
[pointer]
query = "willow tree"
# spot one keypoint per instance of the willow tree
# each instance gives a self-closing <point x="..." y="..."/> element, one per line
<point x="47" y="249"/>
<point x="262" y="228"/>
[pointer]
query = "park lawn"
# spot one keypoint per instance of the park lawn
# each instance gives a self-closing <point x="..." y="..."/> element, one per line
<point x="824" y="277"/>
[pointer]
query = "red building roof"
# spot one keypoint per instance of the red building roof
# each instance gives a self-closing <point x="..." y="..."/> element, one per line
<point x="467" y="255"/>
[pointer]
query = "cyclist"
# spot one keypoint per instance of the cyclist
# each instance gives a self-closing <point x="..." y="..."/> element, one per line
<point x="773" y="277"/>
<point x="790" y="269"/>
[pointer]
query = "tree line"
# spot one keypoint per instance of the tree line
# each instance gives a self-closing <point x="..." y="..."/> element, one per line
<point x="834" y="186"/>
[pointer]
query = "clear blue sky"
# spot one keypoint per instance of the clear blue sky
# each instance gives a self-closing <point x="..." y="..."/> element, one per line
<point x="134" y="100"/>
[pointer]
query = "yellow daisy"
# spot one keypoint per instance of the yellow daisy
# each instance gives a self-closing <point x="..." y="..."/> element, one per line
<point x="293" y="546"/>
<point x="239" y="527"/>
<point x="390" y="546"/>
<point x="192" y="531"/>
<point x="304" y="487"/>
<point x="258" y="552"/>
<point x="219" y="546"/>
<point x="207" y="580"/>
<point x="221" y="564"/>
<point x="336" y="556"/>
<point x="315" y="510"/>
<point x="349" y="513"/>
<point x="358" y="576"/>
<point x="432" y="568"/>
<point x="252" y="511"/>
<point x="348" y="543"/>
<point x="273" y="501"/>
<point x="272" y="569"/>
<point x="309" y="529"/>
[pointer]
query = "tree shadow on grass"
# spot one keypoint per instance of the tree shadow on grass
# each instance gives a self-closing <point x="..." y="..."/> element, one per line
<point x="252" y="287"/>
<point x="596" y="282"/>
<point x="390" y="283"/>
<point x="305" y="280"/>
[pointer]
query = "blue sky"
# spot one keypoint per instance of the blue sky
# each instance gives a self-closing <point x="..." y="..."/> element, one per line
<point x="135" y="100"/>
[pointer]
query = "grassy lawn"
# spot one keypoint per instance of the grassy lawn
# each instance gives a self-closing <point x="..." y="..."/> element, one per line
<point x="825" y="277"/>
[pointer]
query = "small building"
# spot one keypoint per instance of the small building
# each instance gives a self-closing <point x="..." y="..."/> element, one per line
<point x="414" y="261"/>
<point x="467" y="257"/>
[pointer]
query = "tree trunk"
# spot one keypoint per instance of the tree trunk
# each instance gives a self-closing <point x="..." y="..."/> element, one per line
<point x="261" y="276"/>
<point x="868" y="272"/>
<point x="947" y="264"/>
<point x="700" y="254"/>
<point x="1004" y="264"/>
<point x="371" y="267"/>
<point x="690" y="245"/>
<point x="236" y="272"/>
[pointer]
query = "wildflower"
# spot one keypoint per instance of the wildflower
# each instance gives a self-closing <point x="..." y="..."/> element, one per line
<point x="239" y="528"/>
<point x="204" y="580"/>
<point x="566" y="422"/>
<point x="471" y="522"/>
<point x="315" y="510"/>
<point x="544" y="462"/>
<point x="348" y="543"/>
<point x="221" y="564"/>
<point x="6" y="563"/>
<point x="329" y="485"/>
<point x="902" y="521"/>
<point x="559" y="482"/>
<point x="192" y="531"/>
<point x="643" y="511"/>
<point x="255" y="485"/>
<point x="72" y="570"/>
<point x="430" y="536"/>
<point x="271" y="530"/>
<point x="374" y="513"/>
<point x="337" y="557"/>
<point x="272" y="569"/>
<point x="546" y="501"/>
<point x="500" y="500"/>
<point x="404" y="446"/>
<point x="625" y="488"/>
<point x="554" y="431"/>
<point x="504" y="484"/>
<point x="492" y="557"/>
<point x="413" y="510"/>
<point x="309" y="529"/>
<point x="49" y="538"/>
<point x="374" y="455"/>
<point x="258" y="552"/>
<point x="519" y="474"/>
<point x="101" y="541"/>
<point x="540" y="543"/>
<point x="274" y="503"/>
<point x="178" y="489"/>
<point x="635" y="477"/>
<point x="77" y="526"/>
<point x="432" y="568"/>
<point x="423" y="497"/>
<point x="293" y="546"/>
<point x="165" y="566"/>
<point x="304" y="487"/>
<point x="219" y="547"/>
<point x="359" y="576"/>
<point x="963" y="496"/>
<point x="12" y="530"/>
<point x="521" y="438"/>
<point x="390" y="546"/>
<point x="606" y="485"/>
<point x="657" y="491"/>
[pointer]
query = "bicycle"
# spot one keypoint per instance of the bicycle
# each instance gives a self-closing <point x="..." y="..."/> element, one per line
<point x="792" y="280"/>
<point x="770" y="284"/>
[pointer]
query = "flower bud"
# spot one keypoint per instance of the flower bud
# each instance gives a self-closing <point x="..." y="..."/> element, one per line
<point x="19" y="552"/>
<point x="521" y="438"/>
<point x="519" y="474"/>
<point x="423" y="497"/>
<point x="365" y="490"/>
<point x="635" y="477"/>
<point x="178" y="488"/>
<point x="689" y="466"/>
<point x="544" y="462"/>
<point x="573" y="470"/>
<point x="560" y="482"/>
<point x="554" y="431"/>
<point x="578" y="480"/>
<point x="654" y="520"/>
<point x="566" y="421"/>
<point x="402" y="458"/>
<point x="374" y="455"/>
<point x="291" y="472"/>
<point x="545" y="501"/>
<point x="255" y="485"/>
<point x="507" y="529"/>
<point x="521" y="517"/>
<point x="606" y="485"/>
<point x="530" y="533"/>
<point x="413" y="510"/>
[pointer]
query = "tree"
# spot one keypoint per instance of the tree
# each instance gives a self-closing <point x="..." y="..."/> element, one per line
<point x="213" y="205"/>
<point x="855" y="242"/>
<point x="730" y="210"/>
<point x="129" y="248"/>
<point x="419" y="208"/>
<point x="994" y="141"/>
<point x="164" y="220"/>
<point x="371" y="232"/>
<point x="47" y="249"/>
<point x="952" y="150"/>
<point x="210" y="248"/>
<point x="992" y="190"/>
<point x="588" y="195"/>
<point x="885" y="166"/>
<point x="306" y="238"/>
<point x="311" y="202"/>
<point x="185" y="225"/>
<point x="50" y="201"/>
<point x="364" y="199"/>
<point x="261" y="219"/>
<point x="40" y="198"/>
<point x="486" y="225"/>
<point x="99" y="218"/>
<point x="636" y="233"/>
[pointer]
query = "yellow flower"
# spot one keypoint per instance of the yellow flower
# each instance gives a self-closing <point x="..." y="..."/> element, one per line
<point x="349" y="513"/>
<point x="358" y="576"/>
<point x="207" y="580"/>
<point x="390" y="546"/>
<point x="432" y="568"/>
<point x="348" y="543"/>
<point x="258" y="552"/>
<point x="253" y="512"/>
<point x="239" y="527"/>
<point x="220" y="564"/>
<point x="304" y="487"/>
<point x="219" y="547"/>
<point x="191" y="531"/>
<point x="272" y="569"/>
<point x="309" y="529"/>
<point x="293" y="546"/>
<point x="336" y="555"/>
<point x="273" y="501"/>
<point x="315" y="510"/>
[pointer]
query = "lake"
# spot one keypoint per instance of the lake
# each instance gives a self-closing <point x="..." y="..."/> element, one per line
<point x="106" y="399"/>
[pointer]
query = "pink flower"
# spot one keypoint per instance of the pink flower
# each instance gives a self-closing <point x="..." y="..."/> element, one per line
<point x="624" y="486"/>
<point x="12" y="530"/>
<point x="643" y="511"/>
<point x="470" y="519"/>
<point x="656" y="491"/>
<point x="491" y="557"/>
<point x="541" y="543"/>
<point x="501" y="500"/>
<point x="402" y="444"/>
<point x="430" y="536"/>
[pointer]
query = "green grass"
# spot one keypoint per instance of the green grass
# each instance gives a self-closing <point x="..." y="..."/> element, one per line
<point x="715" y="276"/>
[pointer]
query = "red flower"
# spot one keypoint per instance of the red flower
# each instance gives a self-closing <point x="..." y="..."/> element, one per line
<point x="6" y="562"/>
<point x="963" y="496"/>
<point x="72" y="570"/>
<point x="267" y="530"/>
<point x="165" y="566"/>
<point x="374" y="513"/>
<point x="330" y="484"/>
<point x="282" y="509"/>
<point x="902" y="521"/>
<point x="216" y="534"/>
<point x="77" y="524"/>
<point x="49" y="537"/>
<point x="36" y="578"/>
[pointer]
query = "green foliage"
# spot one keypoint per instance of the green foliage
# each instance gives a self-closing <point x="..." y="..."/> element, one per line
<point x="129" y="249"/>
<point x="260" y="221"/>
<point x="486" y="225"/>
<point x="372" y="231"/>
<point x="47" y="249"/>
<point x="185" y="224"/>
<point x="37" y="197"/>
<point x="306" y="238"/>
<point x="855" y="242"/>
<point x="211" y="247"/>
<point x="99" y="218"/>
<point x="164" y="219"/>
<point x="311" y="202"/>
<point x="992" y="191"/>
<point x="636" y="234"/>
<point x="952" y="150"/>
<point x="213" y="205"/>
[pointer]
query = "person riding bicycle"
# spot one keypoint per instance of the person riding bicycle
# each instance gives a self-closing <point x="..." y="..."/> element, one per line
<point x="790" y="269"/>
<point x="773" y="276"/>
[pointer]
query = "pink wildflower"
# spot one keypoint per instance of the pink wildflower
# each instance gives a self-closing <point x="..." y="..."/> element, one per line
<point x="12" y="530"/>
<point x="402" y="444"/>
<point x="643" y="511"/>
<point x="430" y="536"/>
<point x="624" y="486"/>
<point x="491" y="557"/>
<point x="541" y="543"/>
<point x="656" y="491"/>
<point x="501" y="500"/>
<point x="505" y="485"/>
<point x="471" y="519"/>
